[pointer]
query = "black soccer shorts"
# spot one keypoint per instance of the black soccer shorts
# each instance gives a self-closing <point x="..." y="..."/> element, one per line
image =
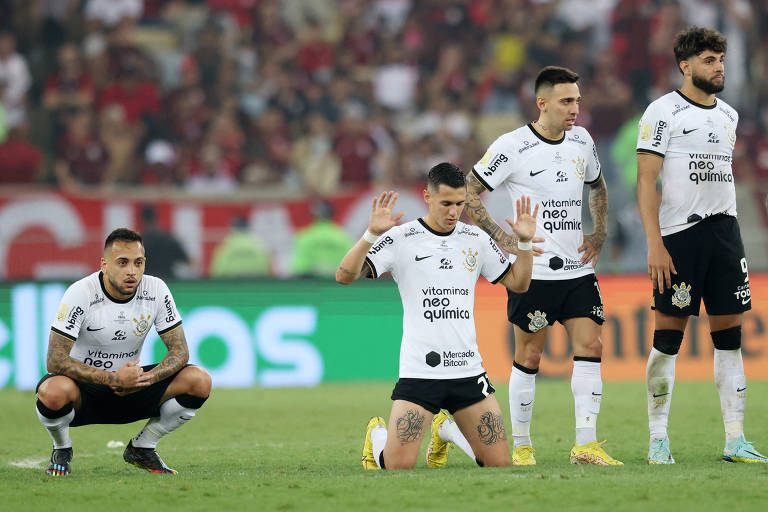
<point x="100" y="405"/>
<point x="550" y="301"/>
<point x="449" y="394"/>
<point x="711" y="265"/>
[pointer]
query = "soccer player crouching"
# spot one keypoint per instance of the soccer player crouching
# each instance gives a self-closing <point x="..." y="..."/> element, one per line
<point x="436" y="261"/>
<point x="93" y="353"/>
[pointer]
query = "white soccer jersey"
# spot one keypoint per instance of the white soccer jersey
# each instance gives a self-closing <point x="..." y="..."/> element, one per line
<point x="696" y="142"/>
<point x="436" y="275"/>
<point x="109" y="332"/>
<point x="553" y="174"/>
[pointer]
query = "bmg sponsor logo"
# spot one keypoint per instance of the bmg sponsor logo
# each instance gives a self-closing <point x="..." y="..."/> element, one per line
<point x="387" y="240"/>
<point x="495" y="163"/>
<point x="73" y="316"/>
<point x="658" y="133"/>
<point x="170" y="317"/>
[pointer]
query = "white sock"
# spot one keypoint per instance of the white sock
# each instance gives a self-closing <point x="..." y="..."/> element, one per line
<point x="732" y="386"/>
<point x="379" y="440"/>
<point x="58" y="428"/>
<point x="660" y="380"/>
<point x="587" y="388"/>
<point x="522" y="388"/>
<point x="172" y="416"/>
<point x="450" y="433"/>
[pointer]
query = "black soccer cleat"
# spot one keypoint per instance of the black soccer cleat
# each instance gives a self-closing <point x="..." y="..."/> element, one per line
<point x="145" y="458"/>
<point x="60" y="459"/>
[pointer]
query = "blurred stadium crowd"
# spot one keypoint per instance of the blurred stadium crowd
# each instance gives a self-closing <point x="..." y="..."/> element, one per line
<point x="308" y="97"/>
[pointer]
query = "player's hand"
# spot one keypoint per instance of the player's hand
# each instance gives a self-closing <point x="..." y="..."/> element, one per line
<point x="591" y="247"/>
<point x="660" y="266"/>
<point x="131" y="375"/>
<point x="381" y="214"/>
<point x="524" y="225"/>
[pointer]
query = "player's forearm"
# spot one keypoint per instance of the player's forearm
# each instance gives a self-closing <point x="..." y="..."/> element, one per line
<point x="647" y="203"/>
<point x="175" y="359"/>
<point x="477" y="212"/>
<point x="61" y="363"/>
<point x="598" y="206"/>
<point x="351" y="264"/>
<point x="519" y="277"/>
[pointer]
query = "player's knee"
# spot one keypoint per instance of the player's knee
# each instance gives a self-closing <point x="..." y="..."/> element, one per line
<point x="667" y="341"/>
<point x="57" y="392"/>
<point x="727" y="339"/>
<point x="198" y="381"/>
<point x="532" y="358"/>
<point x="592" y="348"/>
<point x="498" y="458"/>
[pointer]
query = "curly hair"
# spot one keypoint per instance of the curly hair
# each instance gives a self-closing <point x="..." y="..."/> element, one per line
<point x="694" y="40"/>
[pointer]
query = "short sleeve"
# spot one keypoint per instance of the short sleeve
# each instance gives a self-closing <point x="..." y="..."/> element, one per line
<point x="71" y="313"/>
<point x="593" y="164"/>
<point x="653" y="130"/>
<point x="496" y="164"/>
<point x="495" y="264"/>
<point x="381" y="256"/>
<point x="167" y="317"/>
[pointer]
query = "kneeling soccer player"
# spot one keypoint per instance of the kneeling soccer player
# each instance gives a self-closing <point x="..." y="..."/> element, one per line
<point x="436" y="261"/>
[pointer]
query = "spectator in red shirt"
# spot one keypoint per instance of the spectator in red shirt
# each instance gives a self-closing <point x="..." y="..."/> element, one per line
<point x="21" y="160"/>
<point x="355" y="148"/>
<point x="136" y="97"/>
<point x="70" y="87"/>
<point x="316" y="56"/>
<point x="81" y="158"/>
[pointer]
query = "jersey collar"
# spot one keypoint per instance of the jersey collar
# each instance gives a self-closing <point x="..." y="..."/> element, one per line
<point x="543" y="138"/>
<point x="689" y="100"/>
<point x="107" y="295"/>
<point x="433" y="231"/>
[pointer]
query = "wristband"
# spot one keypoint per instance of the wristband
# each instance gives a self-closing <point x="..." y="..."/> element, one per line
<point x="370" y="237"/>
<point x="524" y="246"/>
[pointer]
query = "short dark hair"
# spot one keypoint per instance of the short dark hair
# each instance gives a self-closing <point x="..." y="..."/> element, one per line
<point x="446" y="174"/>
<point x="694" y="40"/>
<point x="553" y="75"/>
<point x="122" y="235"/>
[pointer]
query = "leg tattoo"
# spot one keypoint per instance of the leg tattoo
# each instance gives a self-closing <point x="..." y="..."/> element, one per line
<point x="491" y="428"/>
<point x="409" y="426"/>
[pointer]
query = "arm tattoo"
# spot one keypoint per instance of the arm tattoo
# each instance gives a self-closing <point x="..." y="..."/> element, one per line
<point x="598" y="205"/>
<point x="60" y="362"/>
<point x="491" y="428"/>
<point x="177" y="355"/>
<point x="477" y="212"/>
<point x="364" y="272"/>
<point x="409" y="426"/>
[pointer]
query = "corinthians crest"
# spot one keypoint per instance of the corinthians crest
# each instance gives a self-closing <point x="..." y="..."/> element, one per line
<point x="580" y="170"/>
<point x="538" y="321"/>
<point x="142" y="325"/>
<point x="682" y="296"/>
<point x="470" y="262"/>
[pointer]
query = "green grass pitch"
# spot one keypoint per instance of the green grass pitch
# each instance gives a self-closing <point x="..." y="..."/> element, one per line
<point x="299" y="450"/>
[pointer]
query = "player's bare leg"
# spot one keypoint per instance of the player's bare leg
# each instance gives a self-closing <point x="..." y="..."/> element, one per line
<point x="185" y="395"/>
<point x="407" y="424"/>
<point x="482" y="425"/>
<point x="587" y="388"/>
<point x="57" y="400"/>
<point x="522" y="391"/>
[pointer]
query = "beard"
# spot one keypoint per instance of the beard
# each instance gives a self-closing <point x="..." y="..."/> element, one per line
<point x="707" y="86"/>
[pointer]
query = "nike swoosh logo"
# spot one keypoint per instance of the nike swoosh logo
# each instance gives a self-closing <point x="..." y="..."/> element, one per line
<point x="535" y="173"/>
<point x="746" y="301"/>
<point x="419" y="258"/>
<point x="596" y="394"/>
<point x="657" y="396"/>
<point x="89" y="329"/>
<point x="759" y="456"/>
<point x="686" y="132"/>
<point x="740" y="390"/>
<point x="526" y="405"/>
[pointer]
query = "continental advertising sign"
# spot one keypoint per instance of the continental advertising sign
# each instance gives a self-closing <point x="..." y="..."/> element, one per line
<point x="301" y="333"/>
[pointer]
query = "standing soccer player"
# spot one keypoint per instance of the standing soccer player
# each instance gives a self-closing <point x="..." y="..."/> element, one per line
<point x="436" y="262"/>
<point x="93" y="354"/>
<point x="694" y="244"/>
<point x="550" y="160"/>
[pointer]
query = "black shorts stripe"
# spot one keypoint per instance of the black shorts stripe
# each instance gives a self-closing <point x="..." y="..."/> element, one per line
<point x="169" y="328"/>
<point x="65" y="334"/>
<point x="482" y="181"/>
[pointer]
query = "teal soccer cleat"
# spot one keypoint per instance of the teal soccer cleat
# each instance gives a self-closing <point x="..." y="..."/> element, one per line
<point x="741" y="450"/>
<point x="659" y="453"/>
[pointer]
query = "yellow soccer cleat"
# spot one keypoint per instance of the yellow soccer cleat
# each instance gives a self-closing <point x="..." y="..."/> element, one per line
<point x="523" y="456"/>
<point x="369" y="462"/>
<point x="592" y="453"/>
<point x="437" y="451"/>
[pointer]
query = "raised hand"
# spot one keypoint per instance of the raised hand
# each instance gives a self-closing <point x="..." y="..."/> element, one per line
<point x="381" y="214"/>
<point x="524" y="225"/>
